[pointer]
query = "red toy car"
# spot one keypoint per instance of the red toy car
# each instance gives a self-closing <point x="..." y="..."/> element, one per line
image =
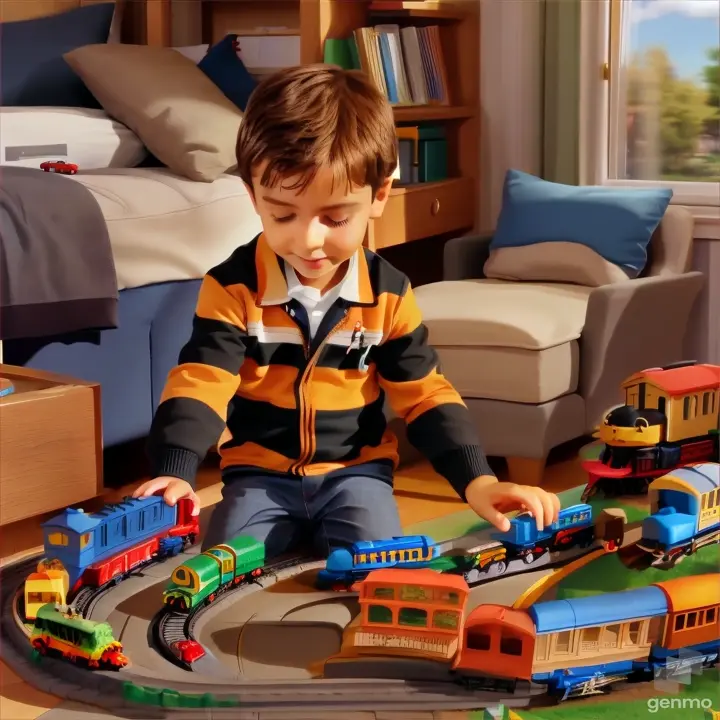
<point x="188" y="650"/>
<point x="59" y="166"/>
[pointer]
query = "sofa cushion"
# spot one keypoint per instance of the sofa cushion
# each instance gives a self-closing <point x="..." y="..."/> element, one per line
<point x="496" y="313"/>
<point x="511" y="374"/>
<point x="614" y="223"/>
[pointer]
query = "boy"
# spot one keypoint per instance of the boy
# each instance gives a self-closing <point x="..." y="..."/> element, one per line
<point x="298" y="336"/>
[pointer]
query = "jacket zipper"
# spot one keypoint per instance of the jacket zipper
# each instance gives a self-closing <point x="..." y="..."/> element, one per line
<point x="305" y="415"/>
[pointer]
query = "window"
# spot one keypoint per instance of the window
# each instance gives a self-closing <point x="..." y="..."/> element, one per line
<point x="562" y="642"/>
<point x="384" y="593"/>
<point x="590" y="638"/>
<point x="663" y="96"/>
<point x="706" y="403"/>
<point x="379" y="614"/>
<point x="610" y="636"/>
<point x="58" y="538"/>
<point x="510" y="645"/>
<point x="541" y="647"/>
<point x="446" y="620"/>
<point x="412" y="616"/>
<point x="85" y="539"/>
<point x="632" y="636"/>
<point x="447" y="596"/>
<point x="478" y="640"/>
<point x="415" y="593"/>
<point x="710" y="615"/>
<point x="686" y="408"/>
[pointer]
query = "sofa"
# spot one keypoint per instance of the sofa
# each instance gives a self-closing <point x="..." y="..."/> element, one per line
<point x="539" y="362"/>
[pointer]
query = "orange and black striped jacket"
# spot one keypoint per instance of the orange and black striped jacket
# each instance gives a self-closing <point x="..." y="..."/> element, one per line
<point x="308" y="407"/>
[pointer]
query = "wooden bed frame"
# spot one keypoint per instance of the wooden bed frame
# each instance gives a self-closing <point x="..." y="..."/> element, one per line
<point x="142" y="22"/>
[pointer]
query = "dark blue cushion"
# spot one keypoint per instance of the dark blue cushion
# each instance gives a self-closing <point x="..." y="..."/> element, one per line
<point x="32" y="68"/>
<point x="616" y="222"/>
<point x="223" y="66"/>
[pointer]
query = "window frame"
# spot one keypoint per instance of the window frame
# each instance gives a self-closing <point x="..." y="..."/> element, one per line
<point x="603" y="129"/>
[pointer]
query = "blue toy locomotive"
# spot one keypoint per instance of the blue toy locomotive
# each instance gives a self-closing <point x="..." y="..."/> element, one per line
<point x="346" y="566"/>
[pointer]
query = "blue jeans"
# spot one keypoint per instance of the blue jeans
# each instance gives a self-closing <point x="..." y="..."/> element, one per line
<point x="284" y="511"/>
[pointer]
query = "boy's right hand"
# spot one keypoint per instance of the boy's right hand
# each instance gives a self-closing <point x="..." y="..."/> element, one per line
<point x="173" y="490"/>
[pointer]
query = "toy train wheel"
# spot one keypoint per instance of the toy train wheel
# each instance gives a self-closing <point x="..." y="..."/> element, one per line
<point x="528" y="558"/>
<point x="40" y="645"/>
<point x="211" y="598"/>
<point x="339" y="587"/>
<point x="500" y="567"/>
<point x="257" y="572"/>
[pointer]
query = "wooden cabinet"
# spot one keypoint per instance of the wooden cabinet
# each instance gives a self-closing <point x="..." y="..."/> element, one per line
<point x="424" y="210"/>
<point x="50" y="443"/>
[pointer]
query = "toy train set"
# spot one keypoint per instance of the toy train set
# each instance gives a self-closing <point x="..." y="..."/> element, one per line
<point x="671" y="418"/>
<point x="413" y="594"/>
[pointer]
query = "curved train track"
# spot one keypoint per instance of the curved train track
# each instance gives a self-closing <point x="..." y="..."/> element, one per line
<point x="169" y="627"/>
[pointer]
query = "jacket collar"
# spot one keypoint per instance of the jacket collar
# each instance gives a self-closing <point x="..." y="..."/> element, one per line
<point x="272" y="283"/>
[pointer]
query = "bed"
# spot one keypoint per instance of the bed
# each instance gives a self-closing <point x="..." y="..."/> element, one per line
<point x="153" y="210"/>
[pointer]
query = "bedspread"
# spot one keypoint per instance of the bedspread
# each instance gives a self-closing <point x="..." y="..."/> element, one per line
<point x="57" y="273"/>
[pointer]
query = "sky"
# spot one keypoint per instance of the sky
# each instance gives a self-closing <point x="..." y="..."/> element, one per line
<point x="686" y="28"/>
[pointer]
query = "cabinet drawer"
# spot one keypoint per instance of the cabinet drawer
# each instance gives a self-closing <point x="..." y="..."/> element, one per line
<point x="424" y="210"/>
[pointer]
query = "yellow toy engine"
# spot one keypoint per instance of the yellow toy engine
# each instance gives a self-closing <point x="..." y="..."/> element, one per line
<point x="671" y="417"/>
<point x="49" y="584"/>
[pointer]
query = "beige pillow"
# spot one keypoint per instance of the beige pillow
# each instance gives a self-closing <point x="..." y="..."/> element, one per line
<point x="564" y="262"/>
<point x="181" y="116"/>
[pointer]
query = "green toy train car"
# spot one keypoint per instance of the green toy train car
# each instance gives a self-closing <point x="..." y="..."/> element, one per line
<point x="60" y="631"/>
<point x="202" y="578"/>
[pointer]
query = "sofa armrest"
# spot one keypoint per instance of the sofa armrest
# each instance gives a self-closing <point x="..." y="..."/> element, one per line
<point x="464" y="257"/>
<point x="630" y="327"/>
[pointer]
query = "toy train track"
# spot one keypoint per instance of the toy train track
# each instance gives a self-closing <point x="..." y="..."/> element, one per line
<point x="169" y="627"/>
<point x="87" y="598"/>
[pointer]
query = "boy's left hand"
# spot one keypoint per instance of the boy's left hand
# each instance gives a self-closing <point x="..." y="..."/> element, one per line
<point x="490" y="499"/>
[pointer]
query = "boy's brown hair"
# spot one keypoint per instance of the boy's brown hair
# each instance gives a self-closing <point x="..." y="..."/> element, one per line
<point x="304" y="118"/>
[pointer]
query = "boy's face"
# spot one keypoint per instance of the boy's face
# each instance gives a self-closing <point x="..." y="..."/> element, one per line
<point x="317" y="229"/>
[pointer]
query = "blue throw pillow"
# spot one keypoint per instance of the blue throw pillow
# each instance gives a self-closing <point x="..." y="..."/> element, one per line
<point x="223" y="66"/>
<point x="32" y="68"/>
<point x="617" y="223"/>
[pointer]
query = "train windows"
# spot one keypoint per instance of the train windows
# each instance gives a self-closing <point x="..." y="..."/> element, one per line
<point x="384" y="593"/>
<point x="694" y="405"/>
<point x="103" y="535"/>
<point x="611" y="636"/>
<point x="415" y="555"/>
<point x="686" y="407"/>
<point x="542" y="646"/>
<point x="679" y="622"/>
<point x="477" y="639"/>
<point x="691" y="621"/>
<point x="710" y="616"/>
<point x="415" y="593"/>
<point x="85" y="539"/>
<point x="706" y="403"/>
<point x="227" y="565"/>
<point x="590" y="638"/>
<point x="632" y="633"/>
<point x="181" y="576"/>
<point x="58" y="538"/>
<point x="446" y="620"/>
<point x="661" y="405"/>
<point x="141" y="520"/>
<point x="562" y="642"/>
<point x="447" y="596"/>
<point x="511" y="645"/>
<point x="412" y="616"/>
<point x="380" y="614"/>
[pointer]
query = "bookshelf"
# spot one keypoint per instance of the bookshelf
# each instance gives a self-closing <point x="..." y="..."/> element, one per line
<point x="425" y="213"/>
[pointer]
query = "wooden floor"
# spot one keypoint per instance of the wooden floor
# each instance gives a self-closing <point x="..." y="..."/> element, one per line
<point x="421" y="495"/>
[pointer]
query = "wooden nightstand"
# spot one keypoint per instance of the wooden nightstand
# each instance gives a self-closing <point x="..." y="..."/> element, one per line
<point x="50" y="443"/>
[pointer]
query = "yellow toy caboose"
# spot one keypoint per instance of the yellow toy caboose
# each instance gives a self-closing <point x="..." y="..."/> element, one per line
<point x="671" y="418"/>
<point x="49" y="584"/>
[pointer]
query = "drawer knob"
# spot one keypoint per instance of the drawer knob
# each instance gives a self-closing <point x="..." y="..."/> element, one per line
<point x="435" y="209"/>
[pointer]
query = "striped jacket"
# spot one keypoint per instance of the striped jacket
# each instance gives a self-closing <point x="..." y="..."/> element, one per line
<point x="302" y="407"/>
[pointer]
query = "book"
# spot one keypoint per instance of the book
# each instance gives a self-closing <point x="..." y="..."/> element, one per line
<point x="406" y="63"/>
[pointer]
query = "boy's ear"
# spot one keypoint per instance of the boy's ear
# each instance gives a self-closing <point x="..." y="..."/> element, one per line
<point x="381" y="198"/>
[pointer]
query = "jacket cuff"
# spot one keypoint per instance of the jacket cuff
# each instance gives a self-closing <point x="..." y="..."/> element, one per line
<point x="179" y="463"/>
<point x="461" y="466"/>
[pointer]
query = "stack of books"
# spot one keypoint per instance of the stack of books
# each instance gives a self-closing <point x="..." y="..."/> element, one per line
<point x="406" y="63"/>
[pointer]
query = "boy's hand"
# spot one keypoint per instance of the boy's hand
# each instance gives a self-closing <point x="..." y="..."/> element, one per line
<point x="490" y="499"/>
<point x="173" y="490"/>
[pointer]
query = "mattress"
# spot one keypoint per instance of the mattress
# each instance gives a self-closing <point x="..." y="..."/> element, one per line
<point x="86" y="137"/>
<point x="164" y="227"/>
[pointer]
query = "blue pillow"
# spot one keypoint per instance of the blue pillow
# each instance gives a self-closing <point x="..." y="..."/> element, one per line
<point x="32" y="68"/>
<point x="617" y="223"/>
<point x="223" y="66"/>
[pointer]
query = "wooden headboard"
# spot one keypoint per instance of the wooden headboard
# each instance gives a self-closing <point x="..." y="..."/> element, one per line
<point x="142" y="22"/>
